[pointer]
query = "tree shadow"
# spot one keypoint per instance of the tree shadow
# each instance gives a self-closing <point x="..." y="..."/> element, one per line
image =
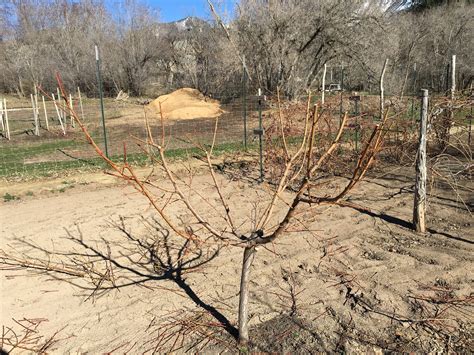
<point x="405" y="224"/>
<point x="98" y="268"/>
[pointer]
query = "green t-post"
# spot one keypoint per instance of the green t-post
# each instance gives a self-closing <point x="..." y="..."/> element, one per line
<point x="260" y="136"/>
<point x="357" y="125"/>
<point x="244" y="103"/>
<point x="101" y="94"/>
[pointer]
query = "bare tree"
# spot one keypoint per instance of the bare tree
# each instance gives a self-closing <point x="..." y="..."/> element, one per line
<point x="296" y="187"/>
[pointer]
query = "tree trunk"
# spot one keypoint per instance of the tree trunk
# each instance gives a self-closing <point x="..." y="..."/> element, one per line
<point x="20" y="86"/>
<point x="249" y="255"/>
<point x="405" y="79"/>
<point x="323" y="88"/>
<point x="381" y="89"/>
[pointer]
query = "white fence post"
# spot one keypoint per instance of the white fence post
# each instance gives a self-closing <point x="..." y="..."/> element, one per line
<point x="59" y="115"/>
<point x="45" y="114"/>
<point x="37" y="109"/>
<point x="7" y="126"/>
<point x="70" y="111"/>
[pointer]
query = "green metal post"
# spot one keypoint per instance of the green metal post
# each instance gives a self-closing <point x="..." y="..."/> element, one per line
<point x="342" y="93"/>
<point x="470" y="129"/>
<point x="244" y="98"/>
<point x="260" y="135"/>
<point x="415" y="75"/>
<point x="357" y="125"/>
<point x="99" y="80"/>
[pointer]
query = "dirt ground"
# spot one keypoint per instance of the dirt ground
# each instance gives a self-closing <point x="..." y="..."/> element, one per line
<point x="359" y="281"/>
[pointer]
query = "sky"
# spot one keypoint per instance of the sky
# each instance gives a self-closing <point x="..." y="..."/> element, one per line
<point x="172" y="10"/>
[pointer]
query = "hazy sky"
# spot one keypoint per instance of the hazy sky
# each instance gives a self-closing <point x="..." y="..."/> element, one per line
<point x="171" y="10"/>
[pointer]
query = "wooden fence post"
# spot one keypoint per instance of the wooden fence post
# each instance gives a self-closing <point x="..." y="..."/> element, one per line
<point x="419" y="208"/>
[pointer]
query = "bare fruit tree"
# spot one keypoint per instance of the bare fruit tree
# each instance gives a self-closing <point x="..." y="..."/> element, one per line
<point x="298" y="189"/>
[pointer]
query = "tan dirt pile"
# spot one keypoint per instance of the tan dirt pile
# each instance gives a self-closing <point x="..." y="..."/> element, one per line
<point x="186" y="104"/>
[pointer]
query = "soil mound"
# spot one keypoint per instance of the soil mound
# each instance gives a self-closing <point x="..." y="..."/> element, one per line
<point x="186" y="104"/>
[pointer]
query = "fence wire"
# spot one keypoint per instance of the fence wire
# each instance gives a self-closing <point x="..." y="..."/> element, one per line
<point x="60" y="145"/>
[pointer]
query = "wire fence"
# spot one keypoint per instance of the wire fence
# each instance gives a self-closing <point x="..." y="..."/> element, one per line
<point x="46" y="142"/>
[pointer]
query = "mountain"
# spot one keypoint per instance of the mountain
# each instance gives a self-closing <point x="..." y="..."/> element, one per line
<point x="185" y="24"/>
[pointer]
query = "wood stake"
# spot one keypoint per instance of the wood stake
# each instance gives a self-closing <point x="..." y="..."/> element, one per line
<point x="59" y="115"/>
<point x="420" y="184"/>
<point x="35" y="117"/>
<point x="7" y="127"/>
<point x="45" y="114"/>
<point x="37" y="109"/>
<point x="70" y="109"/>
<point x="61" y="112"/>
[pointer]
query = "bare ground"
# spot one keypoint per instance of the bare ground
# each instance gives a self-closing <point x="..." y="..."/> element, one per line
<point x="361" y="281"/>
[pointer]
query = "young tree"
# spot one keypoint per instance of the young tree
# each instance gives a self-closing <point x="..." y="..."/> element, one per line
<point x="304" y="170"/>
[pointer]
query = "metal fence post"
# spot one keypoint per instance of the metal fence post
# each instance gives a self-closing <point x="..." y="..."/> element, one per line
<point x="420" y="184"/>
<point x="357" y="124"/>
<point x="99" y="80"/>
<point x="260" y="136"/>
<point x="260" y="132"/>
<point x="356" y="99"/>
<point x="244" y="101"/>
<point x="342" y="94"/>
<point x="470" y="129"/>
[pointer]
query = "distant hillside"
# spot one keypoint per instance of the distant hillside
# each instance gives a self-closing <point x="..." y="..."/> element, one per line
<point x="186" y="24"/>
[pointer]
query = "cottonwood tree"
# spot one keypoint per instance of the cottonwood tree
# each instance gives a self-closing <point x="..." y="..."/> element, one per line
<point x="288" y="42"/>
<point x="285" y="43"/>
<point x="435" y="39"/>
<point x="52" y="36"/>
<point x="136" y="33"/>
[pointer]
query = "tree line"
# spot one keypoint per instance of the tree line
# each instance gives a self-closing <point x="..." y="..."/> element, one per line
<point x="280" y="43"/>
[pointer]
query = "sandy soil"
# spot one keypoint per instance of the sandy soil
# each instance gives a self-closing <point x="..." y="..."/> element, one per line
<point x="185" y="104"/>
<point x="360" y="281"/>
